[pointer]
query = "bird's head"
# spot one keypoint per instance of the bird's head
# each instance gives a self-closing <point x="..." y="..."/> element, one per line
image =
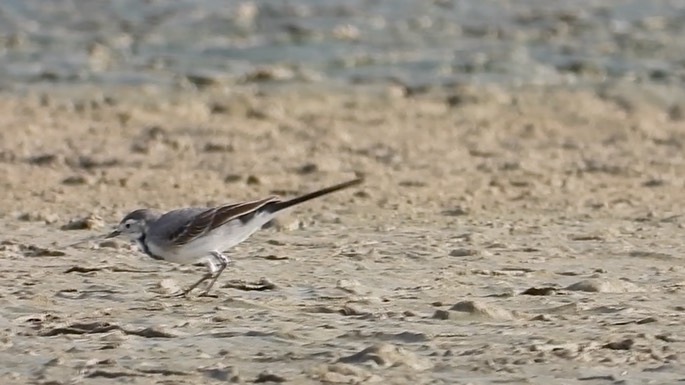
<point x="134" y="225"/>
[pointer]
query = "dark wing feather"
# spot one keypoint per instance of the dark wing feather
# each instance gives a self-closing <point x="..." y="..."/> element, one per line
<point x="213" y="218"/>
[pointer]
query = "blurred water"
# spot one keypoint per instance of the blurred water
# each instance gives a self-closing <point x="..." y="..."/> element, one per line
<point x="411" y="41"/>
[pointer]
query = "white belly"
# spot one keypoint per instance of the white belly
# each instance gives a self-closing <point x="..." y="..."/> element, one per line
<point x="218" y="240"/>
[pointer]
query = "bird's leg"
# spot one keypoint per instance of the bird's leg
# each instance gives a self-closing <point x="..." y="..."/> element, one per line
<point x="211" y="270"/>
<point x="223" y="263"/>
<point x="205" y="277"/>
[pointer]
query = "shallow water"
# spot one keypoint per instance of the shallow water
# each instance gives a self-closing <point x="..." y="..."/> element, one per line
<point x="408" y="41"/>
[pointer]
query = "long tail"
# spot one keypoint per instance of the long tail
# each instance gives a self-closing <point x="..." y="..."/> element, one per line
<point x="282" y="205"/>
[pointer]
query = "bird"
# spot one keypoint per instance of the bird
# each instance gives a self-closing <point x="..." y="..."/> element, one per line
<point x="195" y="235"/>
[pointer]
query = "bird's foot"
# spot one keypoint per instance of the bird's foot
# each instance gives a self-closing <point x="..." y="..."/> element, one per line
<point x="206" y="294"/>
<point x="178" y="294"/>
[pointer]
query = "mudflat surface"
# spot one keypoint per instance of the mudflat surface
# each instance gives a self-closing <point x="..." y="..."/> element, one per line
<point x="521" y="236"/>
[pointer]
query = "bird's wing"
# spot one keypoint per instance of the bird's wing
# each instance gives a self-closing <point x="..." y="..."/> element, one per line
<point x="215" y="217"/>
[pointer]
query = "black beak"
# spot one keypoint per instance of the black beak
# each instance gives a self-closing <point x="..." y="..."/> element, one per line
<point x="113" y="234"/>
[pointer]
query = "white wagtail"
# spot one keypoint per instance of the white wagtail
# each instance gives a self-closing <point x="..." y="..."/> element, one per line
<point x="201" y="235"/>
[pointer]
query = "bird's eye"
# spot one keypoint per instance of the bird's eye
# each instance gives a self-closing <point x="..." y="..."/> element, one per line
<point x="128" y="225"/>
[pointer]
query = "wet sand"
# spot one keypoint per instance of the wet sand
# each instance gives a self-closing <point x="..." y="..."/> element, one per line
<point x="502" y="236"/>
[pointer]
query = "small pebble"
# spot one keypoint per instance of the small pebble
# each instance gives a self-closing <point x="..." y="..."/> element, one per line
<point x="90" y="222"/>
<point x="308" y="168"/>
<point x="45" y="159"/>
<point x="620" y="345"/>
<point x="232" y="178"/>
<point x="48" y="218"/>
<point x="218" y="147"/>
<point x="441" y="314"/>
<point x="251" y="179"/>
<point x="269" y="377"/>
<point x="454" y="212"/>
<point x="462" y="252"/>
<point x="110" y="243"/>
<point x="75" y="180"/>
<point x="539" y="291"/>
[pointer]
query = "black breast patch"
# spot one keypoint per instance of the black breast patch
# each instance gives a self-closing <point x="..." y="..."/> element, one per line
<point x="146" y="249"/>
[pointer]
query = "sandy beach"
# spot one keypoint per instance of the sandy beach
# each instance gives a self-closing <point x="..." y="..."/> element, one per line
<point x="520" y="220"/>
<point x="528" y="237"/>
